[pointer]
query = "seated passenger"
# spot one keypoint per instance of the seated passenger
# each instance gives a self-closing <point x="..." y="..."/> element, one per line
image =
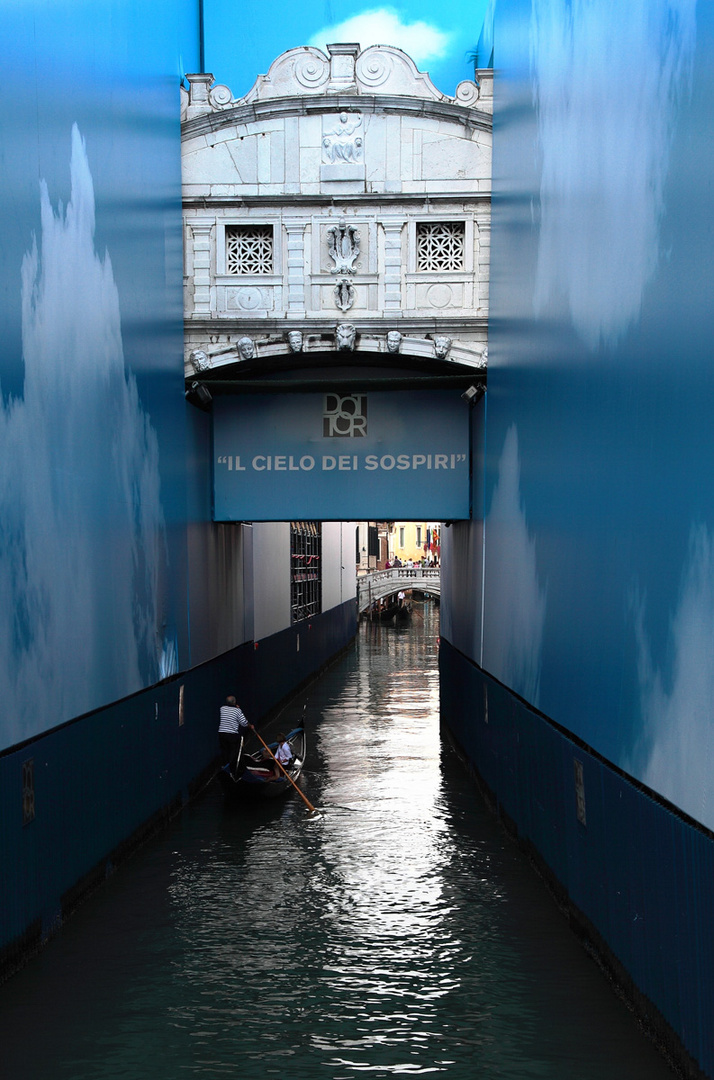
<point x="284" y="753"/>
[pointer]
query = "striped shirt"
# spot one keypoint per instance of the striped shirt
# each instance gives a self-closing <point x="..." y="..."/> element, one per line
<point x="232" y="720"/>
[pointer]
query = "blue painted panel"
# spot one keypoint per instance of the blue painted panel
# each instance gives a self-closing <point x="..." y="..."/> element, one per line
<point x="336" y="457"/>
<point x="599" y="488"/>
<point x="639" y="876"/>
<point x="92" y="454"/>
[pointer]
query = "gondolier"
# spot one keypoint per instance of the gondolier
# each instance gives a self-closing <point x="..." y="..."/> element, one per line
<point x="232" y="729"/>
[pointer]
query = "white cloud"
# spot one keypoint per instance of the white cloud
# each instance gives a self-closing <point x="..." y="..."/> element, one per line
<point x="421" y="41"/>
<point x="81" y="521"/>
<point x="515" y="600"/>
<point x="676" y="753"/>
<point x="607" y="110"/>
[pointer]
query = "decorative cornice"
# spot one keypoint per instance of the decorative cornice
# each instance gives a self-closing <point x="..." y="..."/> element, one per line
<point x="304" y="73"/>
<point x="453" y="325"/>
<point x="206" y="122"/>
<point x="201" y="202"/>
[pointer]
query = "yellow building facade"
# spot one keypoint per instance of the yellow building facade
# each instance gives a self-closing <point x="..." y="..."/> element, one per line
<point x="412" y="541"/>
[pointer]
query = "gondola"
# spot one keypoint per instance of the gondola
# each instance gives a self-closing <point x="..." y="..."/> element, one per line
<point x="386" y="614"/>
<point x="403" y="613"/>
<point x="254" y="777"/>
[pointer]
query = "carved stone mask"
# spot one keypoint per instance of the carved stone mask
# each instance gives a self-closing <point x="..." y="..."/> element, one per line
<point x="346" y="334"/>
<point x="246" y="348"/>
<point x="199" y="360"/>
<point x="394" y="341"/>
<point x="442" y="346"/>
<point x="295" y="340"/>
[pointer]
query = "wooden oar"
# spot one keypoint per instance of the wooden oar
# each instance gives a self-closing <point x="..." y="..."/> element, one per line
<point x="287" y="774"/>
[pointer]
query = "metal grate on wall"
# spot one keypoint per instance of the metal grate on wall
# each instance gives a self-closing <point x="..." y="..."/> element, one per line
<point x="305" y="569"/>
<point x="440" y="245"/>
<point x="249" y="249"/>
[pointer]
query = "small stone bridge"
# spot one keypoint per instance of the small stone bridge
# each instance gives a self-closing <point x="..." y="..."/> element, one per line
<point x="382" y="583"/>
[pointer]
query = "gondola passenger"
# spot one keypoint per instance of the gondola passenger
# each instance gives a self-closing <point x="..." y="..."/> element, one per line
<point x="284" y="753"/>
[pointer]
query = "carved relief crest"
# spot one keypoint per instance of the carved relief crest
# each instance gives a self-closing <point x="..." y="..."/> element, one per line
<point x="344" y="294"/>
<point x="340" y="141"/>
<point x="343" y="246"/>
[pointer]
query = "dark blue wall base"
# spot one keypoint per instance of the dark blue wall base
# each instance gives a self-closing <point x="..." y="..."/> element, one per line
<point x="634" y="875"/>
<point x="104" y="782"/>
<point x="288" y="660"/>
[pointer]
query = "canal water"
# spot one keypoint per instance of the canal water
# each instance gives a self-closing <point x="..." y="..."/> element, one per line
<point x="399" y="932"/>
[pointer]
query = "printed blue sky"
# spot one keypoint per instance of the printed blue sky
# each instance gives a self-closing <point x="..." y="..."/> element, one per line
<point x="243" y="37"/>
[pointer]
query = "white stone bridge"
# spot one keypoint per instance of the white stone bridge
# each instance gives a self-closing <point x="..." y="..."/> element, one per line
<point x="382" y="583"/>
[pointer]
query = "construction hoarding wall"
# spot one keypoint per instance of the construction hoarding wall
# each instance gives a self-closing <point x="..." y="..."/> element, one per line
<point x="92" y="428"/>
<point x="595" y="604"/>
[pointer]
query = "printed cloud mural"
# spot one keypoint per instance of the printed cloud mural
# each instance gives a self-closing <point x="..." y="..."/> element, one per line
<point x="674" y="757"/>
<point x="81" y="518"/>
<point x="602" y="184"/>
<point x="515" y="600"/>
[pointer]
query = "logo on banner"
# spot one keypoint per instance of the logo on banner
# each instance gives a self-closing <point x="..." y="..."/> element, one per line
<point x="345" y="417"/>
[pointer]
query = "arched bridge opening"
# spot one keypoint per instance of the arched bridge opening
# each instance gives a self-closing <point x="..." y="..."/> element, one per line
<point x="380" y="585"/>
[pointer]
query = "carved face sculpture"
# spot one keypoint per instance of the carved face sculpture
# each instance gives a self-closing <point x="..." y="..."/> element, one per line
<point x="346" y="334"/>
<point x="394" y="341"/>
<point x="199" y="360"/>
<point x="295" y="340"/>
<point x="442" y="346"/>
<point x="246" y="348"/>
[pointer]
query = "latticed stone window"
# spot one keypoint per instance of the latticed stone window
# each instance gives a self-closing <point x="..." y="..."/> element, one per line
<point x="440" y="245"/>
<point x="249" y="249"/>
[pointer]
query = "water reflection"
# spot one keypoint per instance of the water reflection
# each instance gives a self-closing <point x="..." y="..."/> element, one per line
<point x="398" y="933"/>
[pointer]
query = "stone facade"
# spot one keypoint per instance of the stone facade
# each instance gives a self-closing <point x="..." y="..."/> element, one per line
<point x="343" y="191"/>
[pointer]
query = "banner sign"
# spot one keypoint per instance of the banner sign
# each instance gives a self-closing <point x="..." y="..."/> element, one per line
<point x="385" y="456"/>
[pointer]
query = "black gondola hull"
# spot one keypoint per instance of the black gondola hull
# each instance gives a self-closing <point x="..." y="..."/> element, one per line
<point x="254" y="782"/>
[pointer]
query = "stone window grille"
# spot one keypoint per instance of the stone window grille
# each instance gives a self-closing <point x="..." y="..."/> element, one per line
<point x="249" y="249"/>
<point x="440" y="245"/>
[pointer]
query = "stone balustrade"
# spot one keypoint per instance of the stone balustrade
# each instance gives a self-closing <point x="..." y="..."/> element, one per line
<point x="381" y="583"/>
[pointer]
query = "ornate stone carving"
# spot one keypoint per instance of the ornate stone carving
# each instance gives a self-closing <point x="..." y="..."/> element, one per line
<point x="376" y="67"/>
<point x="343" y="246"/>
<point x="442" y="345"/>
<point x="220" y="96"/>
<point x="310" y="69"/>
<point x="246" y="348"/>
<point x="439" y="295"/>
<point x="199" y="360"/>
<point x="394" y="341"/>
<point x="295" y="340"/>
<point x="340" y="142"/>
<point x="467" y="93"/>
<point x="345" y="336"/>
<point x="248" y="299"/>
<point x="344" y="294"/>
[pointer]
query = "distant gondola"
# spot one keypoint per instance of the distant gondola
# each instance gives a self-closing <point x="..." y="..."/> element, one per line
<point x="255" y="778"/>
<point x="386" y="614"/>
<point x="403" y="613"/>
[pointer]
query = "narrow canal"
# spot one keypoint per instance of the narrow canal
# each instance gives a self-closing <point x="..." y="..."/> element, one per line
<point x="399" y="932"/>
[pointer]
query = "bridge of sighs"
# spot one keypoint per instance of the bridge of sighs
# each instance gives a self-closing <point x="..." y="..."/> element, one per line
<point x="337" y="225"/>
